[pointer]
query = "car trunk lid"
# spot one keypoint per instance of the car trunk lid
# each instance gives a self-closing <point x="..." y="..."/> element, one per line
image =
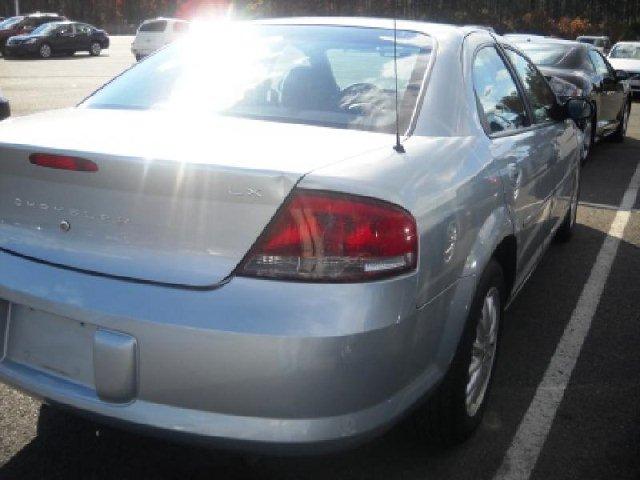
<point x="175" y="201"/>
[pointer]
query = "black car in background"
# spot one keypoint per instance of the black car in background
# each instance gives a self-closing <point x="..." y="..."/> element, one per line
<point x="58" y="37"/>
<point x="584" y="66"/>
<point x="5" y="108"/>
<point x="24" y="24"/>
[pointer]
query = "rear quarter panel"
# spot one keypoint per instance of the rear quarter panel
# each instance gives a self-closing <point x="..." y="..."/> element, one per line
<point x="447" y="179"/>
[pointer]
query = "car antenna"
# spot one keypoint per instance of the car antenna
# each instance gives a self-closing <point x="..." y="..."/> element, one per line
<point x="398" y="146"/>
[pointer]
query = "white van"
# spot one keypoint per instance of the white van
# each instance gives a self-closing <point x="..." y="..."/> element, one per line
<point x="154" y="34"/>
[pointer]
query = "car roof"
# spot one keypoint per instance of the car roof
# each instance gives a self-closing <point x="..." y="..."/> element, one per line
<point x="166" y="19"/>
<point x="557" y="41"/>
<point x="628" y="42"/>
<point x="43" y="14"/>
<point x="63" y="22"/>
<point x="437" y="30"/>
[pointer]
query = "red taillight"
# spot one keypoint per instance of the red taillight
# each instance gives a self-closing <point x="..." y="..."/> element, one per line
<point x="324" y="236"/>
<point x="63" y="162"/>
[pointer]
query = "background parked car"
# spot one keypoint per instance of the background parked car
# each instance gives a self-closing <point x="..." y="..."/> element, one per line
<point x="154" y="34"/>
<point x="626" y="56"/>
<point x="602" y="43"/>
<point x="5" y="109"/>
<point x="586" y="67"/>
<point x="59" y="37"/>
<point x="23" y="24"/>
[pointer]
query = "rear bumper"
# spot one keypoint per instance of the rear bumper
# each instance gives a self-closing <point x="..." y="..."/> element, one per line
<point x="254" y="364"/>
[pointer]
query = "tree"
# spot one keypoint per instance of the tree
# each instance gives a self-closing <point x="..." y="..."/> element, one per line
<point x="567" y="18"/>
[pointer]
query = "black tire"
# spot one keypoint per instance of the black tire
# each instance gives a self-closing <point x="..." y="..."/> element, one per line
<point x="54" y="422"/>
<point x="621" y="132"/>
<point x="45" y="51"/>
<point x="95" y="49"/>
<point x="139" y="57"/>
<point x="445" y="418"/>
<point x="565" y="231"/>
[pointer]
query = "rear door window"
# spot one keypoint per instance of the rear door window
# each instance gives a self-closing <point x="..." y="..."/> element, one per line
<point x="158" y="26"/>
<point x="540" y="95"/>
<point x="84" y="29"/>
<point x="502" y="109"/>
<point x="68" y="29"/>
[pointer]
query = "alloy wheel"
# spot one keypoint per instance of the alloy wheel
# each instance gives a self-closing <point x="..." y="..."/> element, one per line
<point x="96" y="49"/>
<point x="484" y="352"/>
<point x="45" y="51"/>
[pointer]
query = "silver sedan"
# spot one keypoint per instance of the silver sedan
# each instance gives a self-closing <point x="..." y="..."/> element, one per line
<point x="229" y="243"/>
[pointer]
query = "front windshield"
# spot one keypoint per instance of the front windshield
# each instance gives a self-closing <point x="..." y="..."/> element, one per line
<point x="332" y="76"/>
<point x="631" y="52"/>
<point x="10" y="22"/>
<point x="45" y="28"/>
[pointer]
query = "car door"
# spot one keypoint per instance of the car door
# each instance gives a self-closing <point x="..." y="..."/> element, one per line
<point x="83" y="37"/>
<point x="513" y="142"/>
<point x="555" y="139"/>
<point x="610" y="91"/>
<point x="617" y="89"/>
<point x="64" y="38"/>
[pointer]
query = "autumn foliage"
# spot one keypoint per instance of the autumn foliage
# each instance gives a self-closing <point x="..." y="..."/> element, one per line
<point x="563" y="18"/>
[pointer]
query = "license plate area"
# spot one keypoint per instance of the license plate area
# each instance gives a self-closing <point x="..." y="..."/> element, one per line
<point x="53" y="344"/>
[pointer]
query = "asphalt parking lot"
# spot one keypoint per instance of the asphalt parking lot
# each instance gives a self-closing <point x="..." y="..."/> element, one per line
<point x="592" y="408"/>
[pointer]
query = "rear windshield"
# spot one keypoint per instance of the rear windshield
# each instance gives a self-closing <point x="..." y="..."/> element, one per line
<point x="545" y="55"/>
<point x="556" y="55"/>
<point x="626" y="51"/>
<point x="332" y="76"/>
<point x="10" y="22"/>
<point x="158" y="26"/>
<point x="46" y="28"/>
<point x="37" y="21"/>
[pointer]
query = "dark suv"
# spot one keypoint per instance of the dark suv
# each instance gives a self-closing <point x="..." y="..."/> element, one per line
<point x="23" y="24"/>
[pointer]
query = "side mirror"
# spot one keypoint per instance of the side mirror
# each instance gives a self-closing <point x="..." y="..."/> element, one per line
<point x="5" y="109"/>
<point x="622" y="75"/>
<point x="578" y="109"/>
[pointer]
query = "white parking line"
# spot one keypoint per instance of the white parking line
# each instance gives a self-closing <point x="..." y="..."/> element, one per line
<point x="524" y="451"/>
